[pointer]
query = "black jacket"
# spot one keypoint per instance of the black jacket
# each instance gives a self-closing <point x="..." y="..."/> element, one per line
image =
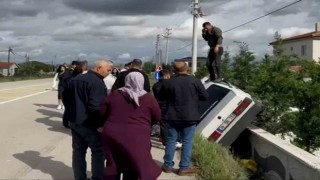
<point x="182" y="94"/>
<point x="84" y="96"/>
<point x="121" y="77"/>
<point x="157" y="94"/>
<point x="63" y="79"/>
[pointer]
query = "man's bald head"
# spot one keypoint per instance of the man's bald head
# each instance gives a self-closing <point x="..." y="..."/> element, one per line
<point x="103" y="67"/>
<point x="181" y="67"/>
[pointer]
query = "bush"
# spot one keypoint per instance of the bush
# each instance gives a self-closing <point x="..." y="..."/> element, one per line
<point x="215" y="161"/>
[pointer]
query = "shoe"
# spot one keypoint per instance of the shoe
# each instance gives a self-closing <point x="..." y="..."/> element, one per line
<point x="218" y="80"/>
<point x="166" y="169"/>
<point x="178" y="145"/>
<point x="62" y="107"/>
<point x="59" y="107"/>
<point x="188" y="172"/>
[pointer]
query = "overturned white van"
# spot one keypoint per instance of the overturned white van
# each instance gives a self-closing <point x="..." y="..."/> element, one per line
<point x="226" y="113"/>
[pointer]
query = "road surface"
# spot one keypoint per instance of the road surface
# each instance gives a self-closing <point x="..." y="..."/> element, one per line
<point x="34" y="144"/>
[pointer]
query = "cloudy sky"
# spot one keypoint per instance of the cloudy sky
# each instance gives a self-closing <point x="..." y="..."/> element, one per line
<point x="124" y="29"/>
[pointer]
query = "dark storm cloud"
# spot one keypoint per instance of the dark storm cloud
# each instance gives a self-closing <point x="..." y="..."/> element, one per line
<point x="130" y="7"/>
<point x="23" y="8"/>
<point x="308" y="6"/>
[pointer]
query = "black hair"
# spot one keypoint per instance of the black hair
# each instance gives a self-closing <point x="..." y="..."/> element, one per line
<point x="77" y="70"/>
<point x="205" y="24"/>
<point x="59" y="68"/>
<point x="75" y="63"/>
<point x="163" y="73"/>
<point x="136" y="63"/>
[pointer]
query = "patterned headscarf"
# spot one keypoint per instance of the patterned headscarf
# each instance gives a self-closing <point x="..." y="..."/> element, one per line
<point x="134" y="83"/>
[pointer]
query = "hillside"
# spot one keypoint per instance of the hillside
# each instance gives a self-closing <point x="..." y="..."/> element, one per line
<point x="37" y="66"/>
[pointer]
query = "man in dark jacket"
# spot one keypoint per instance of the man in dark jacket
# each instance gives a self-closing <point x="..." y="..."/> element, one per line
<point x="164" y="76"/>
<point x="182" y="94"/>
<point x="135" y="66"/>
<point x="213" y="35"/>
<point x="84" y="98"/>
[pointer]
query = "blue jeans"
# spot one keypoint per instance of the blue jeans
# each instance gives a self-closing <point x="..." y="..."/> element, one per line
<point x="187" y="133"/>
<point x="82" y="138"/>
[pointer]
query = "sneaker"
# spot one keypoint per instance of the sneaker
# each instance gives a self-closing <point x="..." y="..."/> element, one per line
<point x="188" y="172"/>
<point x="59" y="107"/>
<point x="166" y="169"/>
<point x="178" y="145"/>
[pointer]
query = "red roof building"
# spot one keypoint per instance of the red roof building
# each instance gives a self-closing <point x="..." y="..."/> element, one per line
<point x="306" y="46"/>
<point x="4" y="67"/>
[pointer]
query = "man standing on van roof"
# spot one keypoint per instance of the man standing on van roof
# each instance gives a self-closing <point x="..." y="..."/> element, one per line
<point x="182" y="95"/>
<point x="213" y="35"/>
<point x="135" y="66"/>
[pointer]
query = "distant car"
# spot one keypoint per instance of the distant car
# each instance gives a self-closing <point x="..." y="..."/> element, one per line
<point x="226" y="113"/>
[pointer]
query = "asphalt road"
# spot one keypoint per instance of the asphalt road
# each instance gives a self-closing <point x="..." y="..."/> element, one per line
<point x="34" y="144"/>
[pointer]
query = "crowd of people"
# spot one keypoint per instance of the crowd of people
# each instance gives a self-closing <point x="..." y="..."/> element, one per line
<point x="116" y="126"/>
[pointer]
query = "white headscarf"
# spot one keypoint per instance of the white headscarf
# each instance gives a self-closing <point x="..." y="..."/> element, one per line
<point x="134" y="83"/>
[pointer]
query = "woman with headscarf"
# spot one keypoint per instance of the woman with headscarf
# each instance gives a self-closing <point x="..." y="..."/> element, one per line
<point x="129" y="113"/>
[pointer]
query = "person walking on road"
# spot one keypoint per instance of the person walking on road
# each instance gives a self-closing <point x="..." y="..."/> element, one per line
<point x="213" y="35"/>
<point x="135" y="66"/>
<point x="85" y="96"/>
<point x="129" y="112"/>
<point x="182" y="94"/>
<point x="62" y="76"/>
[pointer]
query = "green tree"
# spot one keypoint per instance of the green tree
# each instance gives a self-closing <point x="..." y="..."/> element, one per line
<point x="272" y="84"/>
<point x="202" y="71"/>
<point x="226" y="66"/>
<point x="306" y="124"/>
<point x="243" y="67"/>
<point x="278" y="49"/>
<point x="149" y="67"/>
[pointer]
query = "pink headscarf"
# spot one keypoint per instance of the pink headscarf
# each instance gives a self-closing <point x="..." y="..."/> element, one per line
<point x="134" y="83"/>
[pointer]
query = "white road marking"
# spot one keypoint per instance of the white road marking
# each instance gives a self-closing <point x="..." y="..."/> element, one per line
<point x="24" y="87"/>
<point x="23" y="97"/>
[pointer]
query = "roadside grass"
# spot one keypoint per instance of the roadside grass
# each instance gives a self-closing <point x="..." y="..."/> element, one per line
<point x="215" y="162"/>
<point x="23" y="78"/>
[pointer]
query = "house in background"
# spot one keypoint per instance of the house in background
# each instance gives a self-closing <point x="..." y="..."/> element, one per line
<point x="305" y="46"/>
<point x="4" y="66"/>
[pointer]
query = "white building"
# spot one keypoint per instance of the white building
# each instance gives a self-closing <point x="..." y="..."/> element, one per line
<point x="4" y="67"/>
<point x="306" y="46"/>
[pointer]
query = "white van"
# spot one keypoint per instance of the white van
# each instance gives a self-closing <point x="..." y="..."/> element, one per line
<point x="226" y="113"/>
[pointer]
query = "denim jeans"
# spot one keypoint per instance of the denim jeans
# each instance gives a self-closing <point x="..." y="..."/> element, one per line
<point x="187" y="133"/>
<point x="82" y="138"/>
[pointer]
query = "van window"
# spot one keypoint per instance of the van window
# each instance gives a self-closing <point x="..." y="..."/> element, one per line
<point x="216" y="94"/>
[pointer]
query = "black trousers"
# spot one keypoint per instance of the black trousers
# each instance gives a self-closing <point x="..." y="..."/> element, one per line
<point x="82" y="138"/>
<point x="214" y="63"/>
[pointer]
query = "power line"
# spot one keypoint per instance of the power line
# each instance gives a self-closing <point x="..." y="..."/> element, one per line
<point x="248" y="22"/>
<point x="263" y="16"/>
<point x="181" y="48"/>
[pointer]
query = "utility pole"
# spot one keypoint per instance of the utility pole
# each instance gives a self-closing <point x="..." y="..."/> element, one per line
<point x="160" y="57"/>
<point x="196" y="14"/>
<point x="157" y="57"/>
<point x="9" y="52"/>
<point x="167" y="36"/>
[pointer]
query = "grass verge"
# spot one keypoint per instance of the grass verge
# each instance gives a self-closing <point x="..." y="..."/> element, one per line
<point x="215" y="162"/>
<point x="23" y="78"/>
